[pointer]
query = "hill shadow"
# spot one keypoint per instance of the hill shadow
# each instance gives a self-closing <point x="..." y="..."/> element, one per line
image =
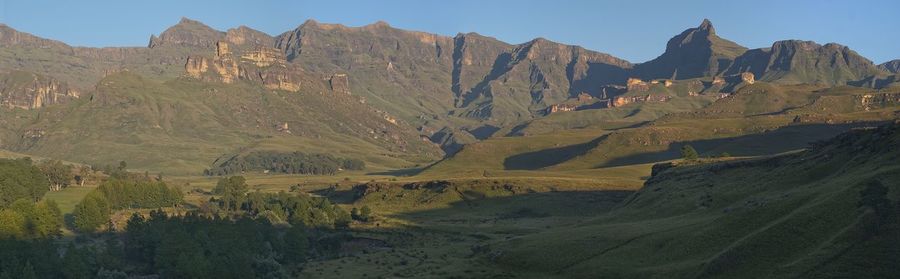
<point x="548" y="157"/>
<point x="477" y="211"/>
<point x="780" y="140"/>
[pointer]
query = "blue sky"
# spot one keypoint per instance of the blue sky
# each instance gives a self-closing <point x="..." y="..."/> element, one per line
<point x="633" y="30"/>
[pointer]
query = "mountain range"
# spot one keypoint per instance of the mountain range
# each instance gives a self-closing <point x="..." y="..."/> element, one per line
<point x="393" y="97"/>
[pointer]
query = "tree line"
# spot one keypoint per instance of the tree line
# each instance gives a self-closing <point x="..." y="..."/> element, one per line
<point x="277" y="208"/>
<point x="290" y="163"/>
<point x="189" y="246"/>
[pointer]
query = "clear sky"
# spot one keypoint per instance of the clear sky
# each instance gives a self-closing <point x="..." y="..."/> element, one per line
<point x="633" y="30"/>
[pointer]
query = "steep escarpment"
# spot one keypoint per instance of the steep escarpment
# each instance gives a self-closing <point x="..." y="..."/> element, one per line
<point x="405" y="72"/>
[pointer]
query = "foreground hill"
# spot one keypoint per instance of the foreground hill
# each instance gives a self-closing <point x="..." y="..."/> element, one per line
<point x="828" y="212"/>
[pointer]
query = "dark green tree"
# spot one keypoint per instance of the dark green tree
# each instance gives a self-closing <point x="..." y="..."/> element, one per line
<point x="91" y="213"/>
<point x="232" y="189"/>
<point x="689" y="153"/>
<point x="296" y="244"/>
<point x="19" y="179"/>
<point x="365" y="213"/>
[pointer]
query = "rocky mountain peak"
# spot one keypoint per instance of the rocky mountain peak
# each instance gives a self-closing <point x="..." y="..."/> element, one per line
<point x="696" y="52"/>
<point x="707" y="26"/>
<point x="188" y="32"/>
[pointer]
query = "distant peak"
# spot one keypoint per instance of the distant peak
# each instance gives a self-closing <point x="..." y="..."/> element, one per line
<point x="310" y="22"/>
<point x="706" y="25"/>
<point x="185" y="20"/>
<point x="381" y="23"/>
<point x="377" y="25"/>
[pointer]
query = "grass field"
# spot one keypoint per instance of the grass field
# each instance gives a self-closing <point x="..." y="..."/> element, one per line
<point x="68" y="197"/>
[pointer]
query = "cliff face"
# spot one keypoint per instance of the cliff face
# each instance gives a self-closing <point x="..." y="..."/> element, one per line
<point x="261" y="65"/>
<point x="26" y="90"/>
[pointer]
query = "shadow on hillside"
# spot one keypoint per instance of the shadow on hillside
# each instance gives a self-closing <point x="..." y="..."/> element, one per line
<point x="548" y="157"/>
<point x="780" y="140"/>
<point x="478" y="211"/>
<point x="399" y="172"/>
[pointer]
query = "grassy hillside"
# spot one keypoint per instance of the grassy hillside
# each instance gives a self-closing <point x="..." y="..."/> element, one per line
<point x="182" y="126"/>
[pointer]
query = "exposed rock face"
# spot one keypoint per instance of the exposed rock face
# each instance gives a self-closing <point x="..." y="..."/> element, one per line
<point x="196" y="66"/>
<point x="696" y="52"/>
<point x="869" y="101"/>
<point x="260" y="64"/>
<point x="29" y="91"/>
<point x="264" y="57"/>
<point x="339" y="83"/>
<point x="625" y="100"/>
<point x="718" y="81"/>
<point x="560" y="108"/>
<point x="794" y="62"/>
<point x="188" y="33"/>
<point x="748" y="78"/>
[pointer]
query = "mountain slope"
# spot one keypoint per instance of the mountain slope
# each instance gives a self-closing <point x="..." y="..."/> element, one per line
<point x="795" y="62"/>
<point x="892" y="66"/>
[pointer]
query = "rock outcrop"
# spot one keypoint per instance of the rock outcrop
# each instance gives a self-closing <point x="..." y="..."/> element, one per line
<point x="259" y="64"/>
<point x="560" y="108"/>
<point x="636" y="84"/>
<point x="625" y="100"/>
<point x="339" y="83"/>
<point x="26" y="90"/>
<point x="747" y="77"/>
